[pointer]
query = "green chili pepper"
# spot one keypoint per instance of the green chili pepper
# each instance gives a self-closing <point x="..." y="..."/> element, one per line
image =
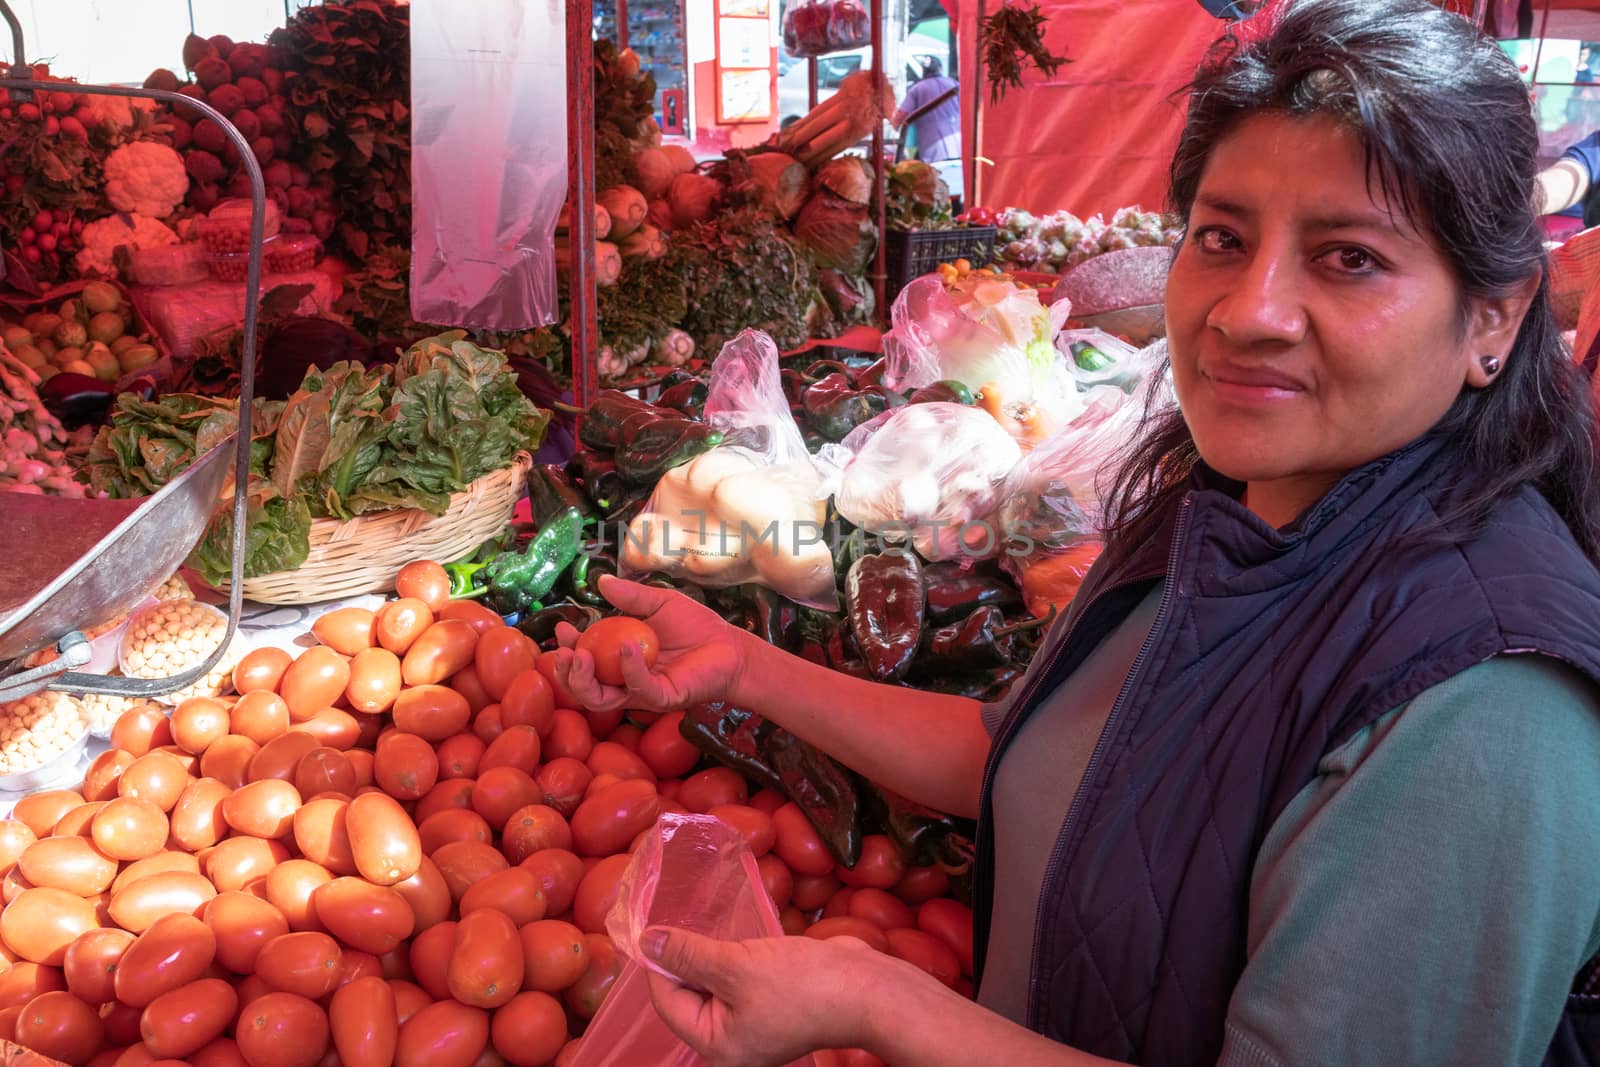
<point x="774" y="758"/>
<point x="884" y="603"/>
<point x="653" y="448"/>
<point x="1088" y="357"/>
<point x="551" y="491"/>
<point x="954" y="592"/>
<point x="835" y="406"/>
<point x="463" y="579"/>
<point x="583" y="579"/>
<point x="602" y="425"/>
<point x="518" y="580"/>
<point x="948" y="391"/>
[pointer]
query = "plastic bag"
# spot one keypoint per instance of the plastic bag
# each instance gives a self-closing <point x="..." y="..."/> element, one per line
<point x="752" y="510"/>
<point x="824" y="26"/>
<point x="484" y="77"/>
<point x="693" y="872"/>
<point x="1095" y="358"/>
<point x="928" y="473"/>
<point x="993" y="336"/>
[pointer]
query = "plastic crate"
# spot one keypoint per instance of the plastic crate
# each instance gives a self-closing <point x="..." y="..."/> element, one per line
<point x="913" y="253"/>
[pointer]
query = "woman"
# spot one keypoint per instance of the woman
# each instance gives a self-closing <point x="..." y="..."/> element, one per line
<point x="1311" y="772"/>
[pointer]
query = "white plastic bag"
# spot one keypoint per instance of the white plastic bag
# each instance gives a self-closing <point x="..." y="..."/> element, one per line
<point x="1096" y="358"/>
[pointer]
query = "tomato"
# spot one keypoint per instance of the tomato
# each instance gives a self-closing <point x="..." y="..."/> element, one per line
<point x="879" y="867"/>
<point x="70" y="863"/>
<point x="585" y="995"/>
<point x="463" y="863"/>
<point x="242" y="924"/>
<point x="440" y="651"/>
<point x="361" y="760"/>
<point x="881" y="908"/>
<point x="459" y="756"/>
<point x="14" y="837"/>
<point x="282" y="1029"/>
<point x="444" y="1034"/>
<point x="14" y="884"/>
<point x="383" y="839"/>
<point x="515" y="892"/>
<point x="768" y="800"/>
<point x="157" y="777"/>
<point x="922" y="883"/>
<point x="369" y="918"/>
<point x="447" y="795"/>
<point x="261" y="670"/>
<point x="100" y="779"/>
<point x="603" y="723"/>
<point x="141" y="902"/>
<point x="161" y="862"/>
<point x="531" y="828"/>
<point x="453" y="824"/>
<point x="263" y="808"/>
<point x="951" y="922"/>
<point x="517" y="746"/>
<point x="608" y="757"/>
<point x="486" y="723"/>
<point x="347" y="631"/>
<point x="290" y="886"/>
<point x="60" y="1026"/>
<point x="197" y="722"/>
<point x="433" y="712"/>
<point x="559" y="872"/>
<point x="355" y="964"/>
<point x="401" y="622"/>
<point x="500" y="791"/>
<point x="430" y="958"/>
<point x="365" y="1022"/>
<point x="466" y="682"/>
<point x="713" y="787"/>
<point x="528" y="700"/>
<point x="754" y="825"/>
<point x="473" y="614"/>
<point x="404" y="765"/>
<point x="331" y="728"/>
<point x="597" y="892"/>
<point x="90" y="965"/>
<point x="428" y="894"/>
<point x="564" y="781"/>
<point x="374" y="680"/>
<point x="925" y="951"/>
<point x="798" y="844"/>
<point x="279" y="757"/>
<point x="530" y="1029"/>
<point x="838" y="905"/>
<point x="776" y="879"/>
<point x="129" y="828"/>
<point x="305" y="962"/>
<point x="236" y="862"/>
<point x="122" y="1029"/>
<point x="502" y="653"/>
<point x="26" y="980"/>
<point x="322" y="835"/>
<point x="627" y="735"/>
<point x="175" y="950"/>
<point x="315" y="680"/>
<point x="41" y="922"/>
<point x="260" y="716"/>
<point x="570" y="736"/>
<point x="324" y="770"/>
<point x="849" y="926"/>
<point x="545" y="664"/>
<point x="184" y="1020"/>
<point x="554" y="955"/>
<point x="485" y="968"/>
<point x="39" y="812"/>
<point x="221" y="1052"/>
<point x="604" y="640"/>
<point x="140" y="729"/>
<point x="666" y="751"/>
<point x="812" y="891"/>
<point x="228" y="758"/>
<point x="79" y="822"/>
<point x="608" y="821"/>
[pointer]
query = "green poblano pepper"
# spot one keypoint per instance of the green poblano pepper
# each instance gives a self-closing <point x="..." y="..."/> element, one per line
<point x="835" y="406"/>
<point x="519" y="580"/>
<point x="655" y="447"/>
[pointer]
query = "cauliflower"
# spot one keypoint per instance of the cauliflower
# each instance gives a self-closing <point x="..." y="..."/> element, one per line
<point x="146" y="178"/>
<point x="116" y="110"/>
<point x="102" y="237"/>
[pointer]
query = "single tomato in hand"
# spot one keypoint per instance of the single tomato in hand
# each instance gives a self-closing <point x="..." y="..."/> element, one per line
<point x="605" y="639"/>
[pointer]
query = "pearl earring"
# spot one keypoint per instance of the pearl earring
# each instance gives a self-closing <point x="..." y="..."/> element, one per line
<point x="1490" y="365"/>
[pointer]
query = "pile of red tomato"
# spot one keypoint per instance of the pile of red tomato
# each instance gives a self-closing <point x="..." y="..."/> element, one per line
<point x="398" y="847"/>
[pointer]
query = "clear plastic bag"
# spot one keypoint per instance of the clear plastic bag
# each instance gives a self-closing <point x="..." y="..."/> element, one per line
<point x="752" y="510"/>
<point x="1095" y="357"/>
<point x="819" y="27"/>
<point x="930" y="474"/>
<point x="693" y="872"/>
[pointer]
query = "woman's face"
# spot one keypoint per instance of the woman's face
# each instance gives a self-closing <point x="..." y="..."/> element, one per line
<point x="1311" y="331"/>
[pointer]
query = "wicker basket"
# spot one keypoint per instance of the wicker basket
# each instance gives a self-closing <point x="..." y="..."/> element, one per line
<point x="362" y="555"/>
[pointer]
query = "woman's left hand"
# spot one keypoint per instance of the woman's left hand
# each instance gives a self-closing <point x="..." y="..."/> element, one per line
<point x="764" y="1001"/>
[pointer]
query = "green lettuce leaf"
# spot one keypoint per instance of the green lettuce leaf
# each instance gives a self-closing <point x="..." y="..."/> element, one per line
<point x="277" y="538"/>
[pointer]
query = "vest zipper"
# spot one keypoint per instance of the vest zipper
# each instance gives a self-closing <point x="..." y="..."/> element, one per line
<point x="1057" y="854"/>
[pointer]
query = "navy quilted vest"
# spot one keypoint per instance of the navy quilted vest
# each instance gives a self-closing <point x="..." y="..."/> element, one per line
<point x="1270" y="650"/>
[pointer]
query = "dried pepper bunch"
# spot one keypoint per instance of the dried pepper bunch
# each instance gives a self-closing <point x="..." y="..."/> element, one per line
<point x="1011" y="38"/>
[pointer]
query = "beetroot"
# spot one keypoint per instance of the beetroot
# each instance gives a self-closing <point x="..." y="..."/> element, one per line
<point x="222" y="43"/>
<point x="263" y="149"/>
<point x="195" y="49"/>
<point x="193" y="92"/>
<point x="299" y="177"/>
<point x="301" y="202"/>
<point x="209" y="137"/>
<point x="271" y="116"/>
<point x="254" y="90"/>
<point x="277" y="174"/>
<point x="204" y="196"/>
<point x="162" y="79"/>
<point x="238" y="186"/>
<point x="282" y="142"/>
<point x="73" y="130"/>
<point x="227" y="99"/>
<point x="182" y="132"/>
<point x="247" y="123"/>
<point x="272" y="78"/>
<point x="247" y="60"/>
<point x="212" y="72"/>
<point x="203" y="166"/>
<point x="322" y="223"/>
<point x="281" y="198"/>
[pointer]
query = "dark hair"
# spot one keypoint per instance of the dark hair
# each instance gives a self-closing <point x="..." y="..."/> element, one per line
<point x="931" y="67"/>
<point x="1449" y="136"/>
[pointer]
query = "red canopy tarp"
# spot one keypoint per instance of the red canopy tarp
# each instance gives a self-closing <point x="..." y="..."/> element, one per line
<point x="1100" y="134"/>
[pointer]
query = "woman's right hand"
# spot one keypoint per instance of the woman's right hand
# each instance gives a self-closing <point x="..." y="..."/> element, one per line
<point x="700" y="660"/>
